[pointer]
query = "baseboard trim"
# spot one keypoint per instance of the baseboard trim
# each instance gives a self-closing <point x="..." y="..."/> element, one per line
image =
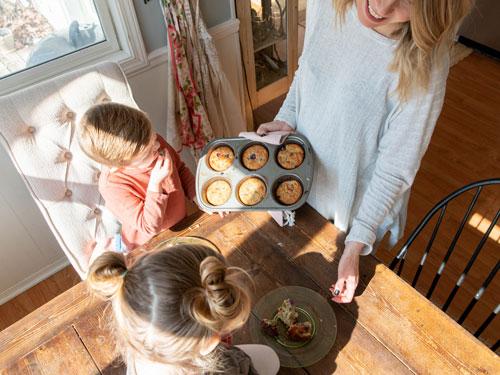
<point x="479" y="47"/>
<point x="33" y="279"/>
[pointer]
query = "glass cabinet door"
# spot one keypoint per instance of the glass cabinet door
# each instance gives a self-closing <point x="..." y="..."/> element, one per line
<point x="269" y="32"/>
<point x="269" y="48"/>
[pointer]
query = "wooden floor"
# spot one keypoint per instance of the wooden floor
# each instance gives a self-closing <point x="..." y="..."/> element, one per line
<point x="464" y="148"/>
<point x="38" y="295"/>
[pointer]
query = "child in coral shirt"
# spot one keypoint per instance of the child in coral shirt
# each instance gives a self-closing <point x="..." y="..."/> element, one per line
<point x="144" y="182"/>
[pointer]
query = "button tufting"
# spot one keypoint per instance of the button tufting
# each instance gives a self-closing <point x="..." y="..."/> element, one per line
<point x="68" y="155"/>
<point x="97" y="211"/>
<point x="68" y="193"/>
<point x="70" y="115"/>
<point x="31" y="129"/>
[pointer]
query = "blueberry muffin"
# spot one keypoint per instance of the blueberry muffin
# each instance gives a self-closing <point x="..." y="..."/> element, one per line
<point x="252" y="191"/>
<point x="290" y="156"/>
<point x="221" y="158"/>
<point x="289" y="192"/>
<point x="218" y="192"/>
<point x="255" y="157"/>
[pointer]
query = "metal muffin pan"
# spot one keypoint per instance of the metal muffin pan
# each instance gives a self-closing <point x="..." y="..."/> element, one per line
<point x="271" y="174"/>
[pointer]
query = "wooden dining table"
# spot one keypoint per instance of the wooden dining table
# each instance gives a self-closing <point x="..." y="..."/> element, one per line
<point x="388" y="328"/>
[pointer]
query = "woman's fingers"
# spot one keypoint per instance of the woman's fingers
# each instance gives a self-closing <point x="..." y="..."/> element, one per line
<point x="350" y="288"/>
<point x="263" y="129"/>
<point x="273" y="126"/>
<point x="343" y="290"/>
<point x="337" y="290"/>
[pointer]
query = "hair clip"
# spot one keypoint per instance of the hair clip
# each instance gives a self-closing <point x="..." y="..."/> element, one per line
<point x="124" y="274"/>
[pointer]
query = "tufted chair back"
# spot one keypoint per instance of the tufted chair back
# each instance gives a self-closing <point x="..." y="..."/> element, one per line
<point x="38" y="129"/>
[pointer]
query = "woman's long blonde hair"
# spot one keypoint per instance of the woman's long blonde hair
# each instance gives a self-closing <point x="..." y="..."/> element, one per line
<point x="422" y="40"/>
<point x="169" y="303"/>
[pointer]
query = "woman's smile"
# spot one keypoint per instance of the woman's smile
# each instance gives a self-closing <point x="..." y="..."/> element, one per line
<point x="371" y="11"/>
<point x="384" y="16"/>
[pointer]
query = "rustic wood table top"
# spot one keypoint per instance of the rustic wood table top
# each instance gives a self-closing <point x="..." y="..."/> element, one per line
<point x="389" y="328"/>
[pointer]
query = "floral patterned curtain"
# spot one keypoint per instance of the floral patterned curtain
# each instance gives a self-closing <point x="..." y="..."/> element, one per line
<point x="193" y="122"/>
<point x="204" y="101"/>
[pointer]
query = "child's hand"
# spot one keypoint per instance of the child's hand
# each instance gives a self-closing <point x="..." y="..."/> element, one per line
<point x="161" y="170"/>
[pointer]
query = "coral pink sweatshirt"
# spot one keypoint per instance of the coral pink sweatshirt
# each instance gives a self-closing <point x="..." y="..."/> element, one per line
<point x="143" y="213"/>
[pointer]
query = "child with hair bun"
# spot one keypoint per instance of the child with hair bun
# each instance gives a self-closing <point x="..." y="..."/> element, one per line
<point x="171" y="308"/>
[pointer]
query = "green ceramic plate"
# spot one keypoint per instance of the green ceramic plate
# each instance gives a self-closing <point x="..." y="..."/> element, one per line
<point x="312" y="307"/>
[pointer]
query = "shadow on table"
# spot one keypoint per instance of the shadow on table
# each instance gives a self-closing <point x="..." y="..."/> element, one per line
<point x="287" y="255"/>
<point x="346" y="314"/>
<point x="117" y="367"/>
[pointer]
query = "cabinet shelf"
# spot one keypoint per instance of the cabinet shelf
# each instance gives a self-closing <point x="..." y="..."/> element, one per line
<point x="268" y="42"/>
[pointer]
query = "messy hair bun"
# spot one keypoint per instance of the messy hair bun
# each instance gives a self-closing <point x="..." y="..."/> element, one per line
<point x="220" y="303"/>
<point x="106" y="274"/>
<point x="171" y="302"/>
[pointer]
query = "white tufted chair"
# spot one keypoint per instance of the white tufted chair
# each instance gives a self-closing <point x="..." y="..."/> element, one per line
<point x="37" y="127"/>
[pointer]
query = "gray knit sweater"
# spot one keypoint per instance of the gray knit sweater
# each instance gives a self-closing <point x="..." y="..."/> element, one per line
<point x="368" y="144"/>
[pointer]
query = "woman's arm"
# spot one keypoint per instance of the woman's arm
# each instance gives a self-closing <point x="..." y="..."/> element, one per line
<point x="400" y="152"/>
<point x="288" y="111"/>
<point x="399" y="155"/>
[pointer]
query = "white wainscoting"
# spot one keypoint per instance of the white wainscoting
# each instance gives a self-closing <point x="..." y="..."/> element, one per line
<point x="29" y="252"/>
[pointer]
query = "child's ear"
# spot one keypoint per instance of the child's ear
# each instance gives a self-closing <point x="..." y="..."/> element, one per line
<point x="210" y="344"/>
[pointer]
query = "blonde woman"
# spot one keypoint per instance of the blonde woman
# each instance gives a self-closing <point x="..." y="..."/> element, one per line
<point x="367" y="95"/>
<point x="171" y="307"/>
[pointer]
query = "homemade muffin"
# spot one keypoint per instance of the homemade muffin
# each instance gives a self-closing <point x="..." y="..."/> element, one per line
<point x="289" y="192"/>
<point x="255" y="157"/>
<point x="221" y="158"/>
<point x="252" y="191"/>
<point x="291" y="156"/>
<point x="218" y="192"/>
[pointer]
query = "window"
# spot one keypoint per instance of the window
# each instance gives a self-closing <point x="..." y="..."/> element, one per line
<point x="42" y="38"/>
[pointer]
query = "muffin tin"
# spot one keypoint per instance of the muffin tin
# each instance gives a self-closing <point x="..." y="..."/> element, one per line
<point x="272" y="174"/>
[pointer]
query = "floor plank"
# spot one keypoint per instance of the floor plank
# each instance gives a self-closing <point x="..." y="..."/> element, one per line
<point x="30" y="300"/>
<point x="47" y="359"/>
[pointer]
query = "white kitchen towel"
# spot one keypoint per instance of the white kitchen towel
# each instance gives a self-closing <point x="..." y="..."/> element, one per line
<point x="285" y="217"/>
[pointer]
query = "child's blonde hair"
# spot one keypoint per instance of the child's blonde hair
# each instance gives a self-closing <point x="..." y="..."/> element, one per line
<point x="422" y="40"/>
<point x="169" y="303"/>
<point x="114" y="134"/>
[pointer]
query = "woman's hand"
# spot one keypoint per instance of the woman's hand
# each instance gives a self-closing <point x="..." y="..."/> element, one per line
<point x="343" y="290"/>
<point x="161" y="170"/>
<point x="274" y="126"/>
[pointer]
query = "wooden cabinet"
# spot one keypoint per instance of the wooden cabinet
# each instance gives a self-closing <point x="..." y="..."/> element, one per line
<point x="269" y="40"/>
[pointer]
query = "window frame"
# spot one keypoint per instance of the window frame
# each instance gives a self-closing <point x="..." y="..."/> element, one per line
<point x="123" y="44"/>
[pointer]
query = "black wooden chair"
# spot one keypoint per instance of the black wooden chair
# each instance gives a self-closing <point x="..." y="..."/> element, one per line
<point x="399" y="260"/>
